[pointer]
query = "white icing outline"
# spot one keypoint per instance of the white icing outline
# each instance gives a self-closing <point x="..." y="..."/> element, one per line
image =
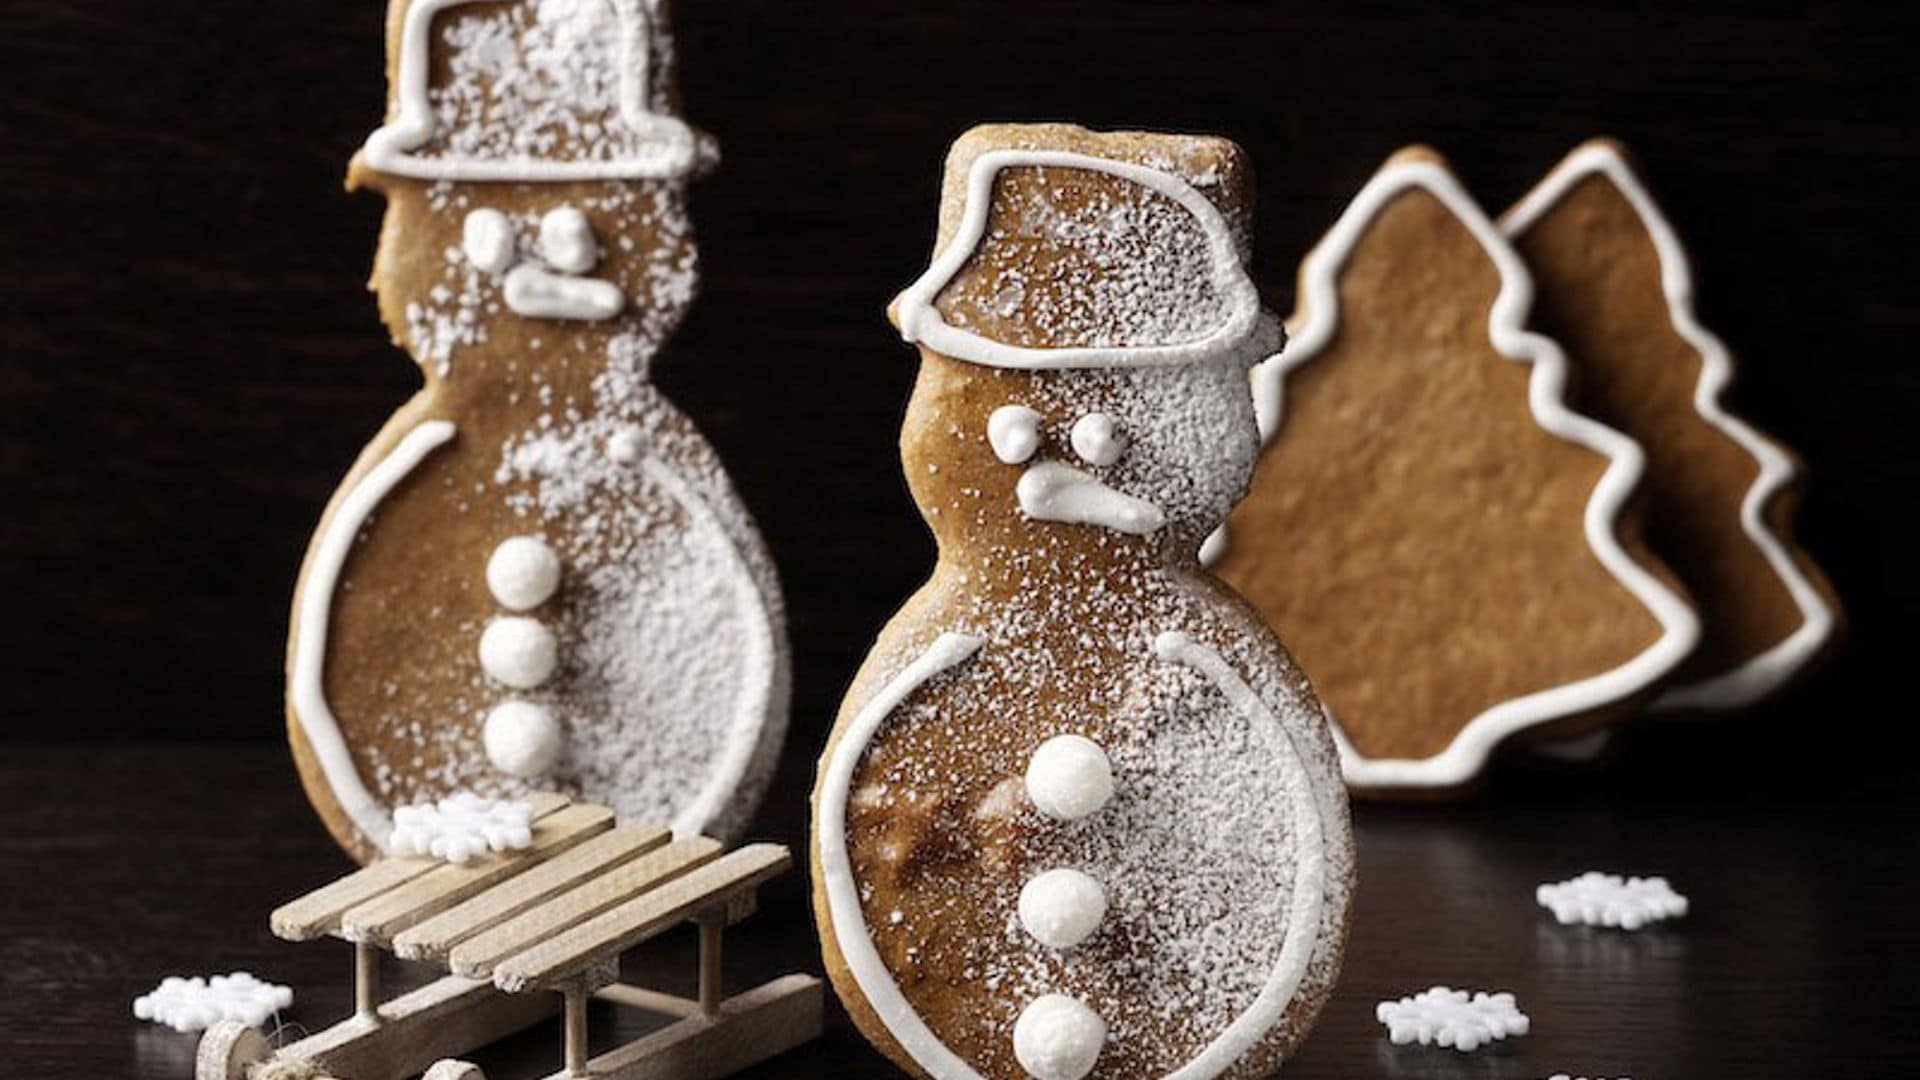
<point x="1766" y="672"/>
<point x="1470" y="748"/>
<point x="308" y="691"/>
<point x="389" y="149"/>
<point x="869" y="971"/>
<point x="921" y="322"/>
<point x="750" y="725"/>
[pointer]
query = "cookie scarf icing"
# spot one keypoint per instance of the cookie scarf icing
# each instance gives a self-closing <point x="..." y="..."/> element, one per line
<point x="1762" y="674"/>
<point x="1469" y="749"/>
<point x="950" y="651"/>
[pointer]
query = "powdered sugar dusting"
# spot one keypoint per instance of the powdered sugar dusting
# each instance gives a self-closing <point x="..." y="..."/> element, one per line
<point x="1069" y="261"/>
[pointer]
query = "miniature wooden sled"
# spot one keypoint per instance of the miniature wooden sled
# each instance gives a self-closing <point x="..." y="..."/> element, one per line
<point x="526" y="934"/>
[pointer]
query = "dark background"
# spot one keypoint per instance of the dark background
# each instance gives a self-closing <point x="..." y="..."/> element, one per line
<point x="191" y="364"/>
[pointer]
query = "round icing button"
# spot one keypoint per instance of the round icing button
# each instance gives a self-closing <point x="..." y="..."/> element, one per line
<point x="1062" y="908"/>
<point x="487" y="238"/>
<point x="523" y="572"/>
<point x="1058" y="1038"/>
<point x="518" y="651"/>
<point x="522" y="738"/>
<point x="1069" y="777"/>
<point x="1096" y="440"/>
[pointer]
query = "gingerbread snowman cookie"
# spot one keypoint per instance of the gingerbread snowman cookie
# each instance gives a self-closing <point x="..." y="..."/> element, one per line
<point x="537" y="574"/>
<point x="1616" y="288"/>
<point x="1453" y="551"/>
<point x="1080" y="815"/>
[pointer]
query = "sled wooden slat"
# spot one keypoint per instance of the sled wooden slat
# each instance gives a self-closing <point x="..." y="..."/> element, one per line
<point x="476" y="957"/>
<point x="379" y="919"/>
<point x="318" y="913"/>
<point x="446" y="1017"/>
<point x="533" y="889"/>
<point x="614" y="931"/>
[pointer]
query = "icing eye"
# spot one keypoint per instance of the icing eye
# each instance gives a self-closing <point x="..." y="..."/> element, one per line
<point x="1014" y="433"/>
<point x="1096" y="439"/>
<point x="566" y="241"/>
<point x="487" y="239"/>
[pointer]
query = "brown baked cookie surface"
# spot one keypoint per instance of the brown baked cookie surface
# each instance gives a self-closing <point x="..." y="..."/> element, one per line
<point x="1080" y="814"/>
<point x="1443" y="544"/>
<point x="537" y="574"/>
<point x="1615" y="287"/>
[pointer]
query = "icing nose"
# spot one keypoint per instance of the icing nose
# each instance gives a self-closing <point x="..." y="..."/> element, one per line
<point x="1053" y="491"/>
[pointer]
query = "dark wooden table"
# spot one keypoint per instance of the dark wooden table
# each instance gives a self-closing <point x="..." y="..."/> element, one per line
<point x="1798" y="961"/>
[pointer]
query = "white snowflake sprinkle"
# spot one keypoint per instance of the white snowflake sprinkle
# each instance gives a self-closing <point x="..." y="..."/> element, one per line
<point x="197" y="1004"/>
<point x="461" y="826"/>
<point x="1598" y="899"/>
<point x="1444" y="1017"/>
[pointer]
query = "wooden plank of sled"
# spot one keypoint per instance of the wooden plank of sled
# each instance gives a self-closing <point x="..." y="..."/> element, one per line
<point x="620" y="928"/>
<point x="749" y="1028"/>
<point x="446" y="1018"/>
<point x="318" y="913"/>
<point x="434" y="938"/>
<point x="476" y="956"/>
<point x="376" y="921"/>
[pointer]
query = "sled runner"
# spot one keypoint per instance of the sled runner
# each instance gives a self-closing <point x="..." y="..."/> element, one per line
<point x="525" y="934"/>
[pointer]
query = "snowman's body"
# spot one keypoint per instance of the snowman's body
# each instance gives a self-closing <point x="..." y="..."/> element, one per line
<point x="538" y="575"/>
<point x="1080" y="814"/>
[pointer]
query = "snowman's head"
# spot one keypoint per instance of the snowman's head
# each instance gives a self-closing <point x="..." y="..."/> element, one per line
<point x="535" y="174"/>
<point x="1087" y="328"/>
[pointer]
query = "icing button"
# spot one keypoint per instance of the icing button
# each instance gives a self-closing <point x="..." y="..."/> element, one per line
<point x="1069" y="777"/>
<point x="523" y="572"/>
<point x="518" y="651"/>
<point x="522" y="738"/>
<point x="1062" y="908"/>
<point x="487" y="239"/>
<point x="1058" y="1038"/>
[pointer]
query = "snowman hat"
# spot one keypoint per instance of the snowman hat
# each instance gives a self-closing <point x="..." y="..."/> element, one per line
<point x="1243" y="330"/>
<point x="542" y="76"/>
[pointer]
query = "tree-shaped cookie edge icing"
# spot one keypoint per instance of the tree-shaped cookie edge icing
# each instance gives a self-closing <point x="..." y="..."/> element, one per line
<point x="1768" y="671"/>
<point x="1470" y="749"/>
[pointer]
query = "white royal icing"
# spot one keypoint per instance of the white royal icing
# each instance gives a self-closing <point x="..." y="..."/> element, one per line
<point x="461" y="826"/>
<point x="921" y="322"/>
<point x="1097" y="440"/>
<point x="566" y="240"/>
<point x="523" y="572"/>
<point x="538" y="293"/>
<point x="487" y="239"/>
<point x="876" y="982"/>
<point x="1680" y="627"/>
<point x="1764" y="673"/>
<point x="664" y="146"/>
<point x="1054" y="491"/>
<point x="522" y="738"/>
<point x="1069" y="777"/>
<point x="1062" y="907"/>
<point x="1451" y="1018"/>
<point x="1597" y="899"/>
<point x="312" y="620"/>
<point x="199" y="1003"/>
<point x="1014" y="433"/>
<point x="518" y="651"/>
<point x="1058" y="1038"/>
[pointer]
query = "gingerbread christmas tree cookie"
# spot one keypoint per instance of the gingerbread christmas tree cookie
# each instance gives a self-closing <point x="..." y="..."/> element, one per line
<point x="1080" y="815"/>
<point x="1443" y="543"/>
<point x="1616" y="289"/>
<point x="537" y="575"/>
